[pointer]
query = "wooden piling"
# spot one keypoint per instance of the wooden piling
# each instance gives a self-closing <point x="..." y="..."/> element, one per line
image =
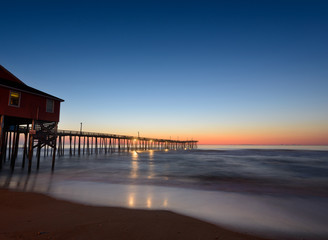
<point x="30" y="153"/>
<point x="70" y="145"/>
<point x="96" y="147"/>
<point x="83" y="145"/>
<point x="74" y="144"/>
<point x="54" y="151"/>
<point x="88" y="146"/>
<point x="2" y="138"/>
<point x="9" y="147"/>
<point x="15" y="147"/>
<point x="38" y="155"/>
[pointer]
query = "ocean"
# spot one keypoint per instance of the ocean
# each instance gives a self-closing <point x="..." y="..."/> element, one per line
<point x="272" y="191"/>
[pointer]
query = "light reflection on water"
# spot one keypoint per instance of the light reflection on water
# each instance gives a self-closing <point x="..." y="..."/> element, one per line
<point x="151" y="165"/>
<point x="271" y="191"/>
<point x="131" y="200"/>
<point x="134" y="165"/>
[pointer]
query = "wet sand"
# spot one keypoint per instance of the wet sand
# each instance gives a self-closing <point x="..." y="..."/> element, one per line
<point x="35" y="216"/>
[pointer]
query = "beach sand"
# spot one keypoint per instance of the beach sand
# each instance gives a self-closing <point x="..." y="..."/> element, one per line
<point x="35" y="216"/>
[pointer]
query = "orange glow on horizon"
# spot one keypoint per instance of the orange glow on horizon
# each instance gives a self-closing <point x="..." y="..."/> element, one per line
<point x="264" y="139"/>
<point x="260" y="134"/>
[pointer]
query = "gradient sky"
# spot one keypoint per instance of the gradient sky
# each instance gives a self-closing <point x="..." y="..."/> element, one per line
<point x="222" y="72"/>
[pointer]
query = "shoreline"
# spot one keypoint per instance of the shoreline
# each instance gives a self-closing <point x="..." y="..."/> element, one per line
<point x="27" y="215"/>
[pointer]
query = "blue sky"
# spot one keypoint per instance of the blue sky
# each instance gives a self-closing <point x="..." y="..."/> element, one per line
<point x="218" y="71"/>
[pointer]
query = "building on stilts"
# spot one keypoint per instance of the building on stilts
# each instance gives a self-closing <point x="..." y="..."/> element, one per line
<point x="24" y="106"/>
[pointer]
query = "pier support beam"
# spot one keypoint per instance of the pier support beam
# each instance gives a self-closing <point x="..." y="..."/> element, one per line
<point x="2" y="138"/>
<point x="25" y="145"/>
<point x="79" y="147"/>
<point x="30" y="152"/>
<point x="70" y="145"/>
<point x="54" y="151"/>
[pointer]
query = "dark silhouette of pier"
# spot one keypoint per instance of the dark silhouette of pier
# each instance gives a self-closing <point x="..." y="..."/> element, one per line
<point x="82" y="143"/>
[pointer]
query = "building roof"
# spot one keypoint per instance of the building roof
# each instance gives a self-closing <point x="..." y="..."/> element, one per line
<point x="5" y="74"/>
<point x="7" y="79"/>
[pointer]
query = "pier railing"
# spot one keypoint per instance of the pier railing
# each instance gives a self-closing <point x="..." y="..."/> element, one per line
<point x="116" y="136"/>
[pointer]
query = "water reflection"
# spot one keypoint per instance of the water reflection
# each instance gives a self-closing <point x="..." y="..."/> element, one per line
<point x="151" y="155"/>
<point x="38" y="182"/>
<point x="134" y="165"/>
<point x="151" y="166"/>
<point x="137" y="177"/>
<point x="148" y="202"/>
<point x="131" y="200"/>
<point x="165" y="204"/>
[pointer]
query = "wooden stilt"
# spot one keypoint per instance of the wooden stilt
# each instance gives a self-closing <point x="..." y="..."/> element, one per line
<point x="70" y="145"/>
<point x="96" y="147"/>
<point x="15" y="147"/>
<point x="59" y="146"/>
<point x="38" y="155"/>
<point x="30" y="153"/>
<point x="83" y="145"/>
<point x="4" y="152"/>
<point x="9" y="148"/>
<point x="79" y="146"/>
<point x="54" y="151"/>
<point x="91" y="145"/>
<point x="2" y="138"/>
<point x="63" y="149"/>
<point x="45" y="151"/>
<point x="88" y="147"/>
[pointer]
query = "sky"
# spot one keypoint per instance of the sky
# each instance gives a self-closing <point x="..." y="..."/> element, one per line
<point x="221" y="72"/>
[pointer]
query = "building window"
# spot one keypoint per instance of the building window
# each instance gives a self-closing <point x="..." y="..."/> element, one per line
<point x="50" y="106"/>
<point x="14" y="99"/>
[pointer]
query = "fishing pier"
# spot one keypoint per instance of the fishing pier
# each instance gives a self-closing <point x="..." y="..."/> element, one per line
<point x="81" y="143"/>
<point x="89" y="142"/>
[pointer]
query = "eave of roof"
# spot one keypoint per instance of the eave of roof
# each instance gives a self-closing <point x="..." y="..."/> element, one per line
<point x="25" y="88"/>
<point x="4" y="73"/>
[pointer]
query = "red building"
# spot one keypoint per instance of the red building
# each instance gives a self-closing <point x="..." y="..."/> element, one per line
<point x="21" y="104"/>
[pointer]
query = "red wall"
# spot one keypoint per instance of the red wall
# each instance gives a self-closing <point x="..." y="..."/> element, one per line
<point x="29" y="104"/>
